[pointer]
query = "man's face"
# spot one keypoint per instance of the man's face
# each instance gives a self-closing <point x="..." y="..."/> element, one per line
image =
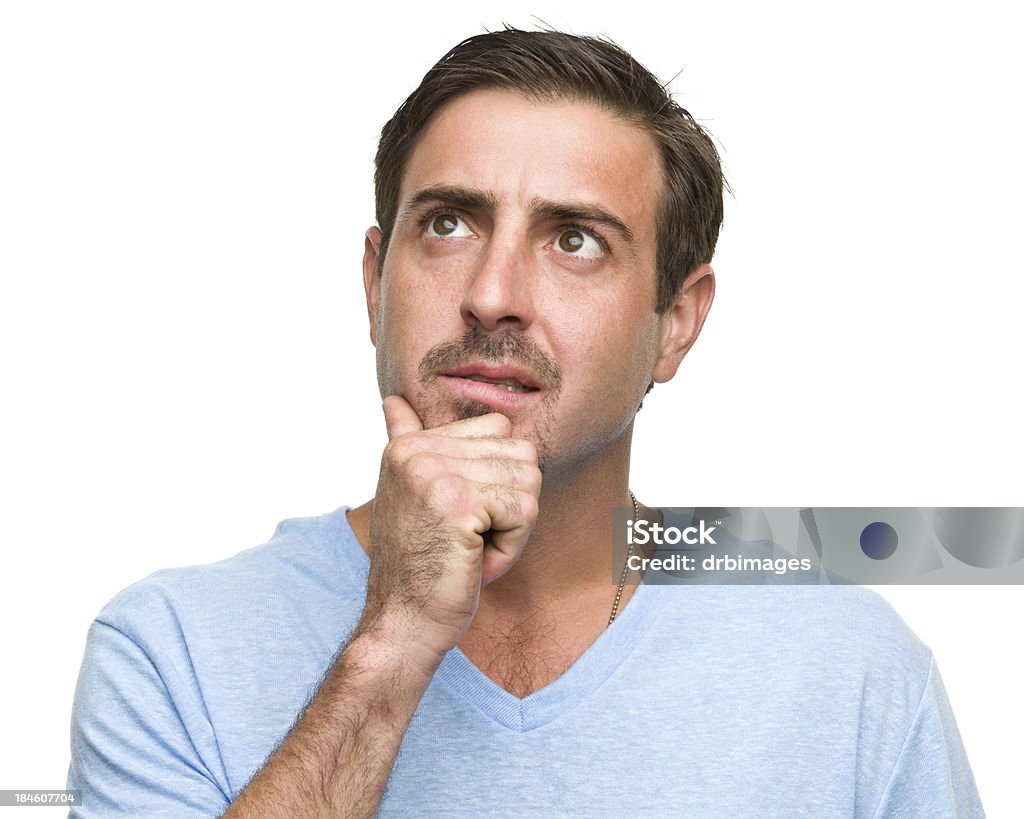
<point x="520" y="274"/>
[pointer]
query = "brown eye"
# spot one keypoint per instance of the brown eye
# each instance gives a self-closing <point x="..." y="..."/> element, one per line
<point x="444" y="225"/>
<point x="571" y="241"/>
<point x="579" y="243"/>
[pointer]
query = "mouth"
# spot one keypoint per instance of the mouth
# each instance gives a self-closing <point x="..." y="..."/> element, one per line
<point x="509" y="384"/>
<point x="505" y="370"/>
<point x="504" y="376"/>
<point x="503" y="387"/>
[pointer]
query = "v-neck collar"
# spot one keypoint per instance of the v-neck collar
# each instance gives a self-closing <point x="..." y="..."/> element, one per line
<point x="598" y="663"/>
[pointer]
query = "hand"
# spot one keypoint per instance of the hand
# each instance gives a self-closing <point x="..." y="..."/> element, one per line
<point x="454" y="507"/>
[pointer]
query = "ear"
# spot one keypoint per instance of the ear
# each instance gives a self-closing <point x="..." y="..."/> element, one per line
<point x="682" y="322"/>
<point x="371" y="278"/>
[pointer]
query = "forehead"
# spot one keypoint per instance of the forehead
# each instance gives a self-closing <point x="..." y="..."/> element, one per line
<point x="520" y="149"/>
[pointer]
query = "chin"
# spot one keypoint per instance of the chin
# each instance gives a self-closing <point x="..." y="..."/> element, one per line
<point x="440" y="413"/>
<point x="470" y="409"/>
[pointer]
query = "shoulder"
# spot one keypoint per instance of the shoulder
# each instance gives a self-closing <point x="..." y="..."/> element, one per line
<point x="854" y="631"/>
<point x="307" y="562"/>
<point x="830" y="677"/>
<point x="208" y="665"/>
<point x="845" y="614"/>
<point x="762" y="595"/>
<point x="842" y="642"/>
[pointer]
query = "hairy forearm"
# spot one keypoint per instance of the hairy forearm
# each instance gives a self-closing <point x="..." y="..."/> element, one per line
<point x="337" y="759"/>
<point x="439" y="492"/>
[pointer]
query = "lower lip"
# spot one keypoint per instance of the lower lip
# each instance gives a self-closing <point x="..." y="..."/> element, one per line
<point x="492" y="395"/>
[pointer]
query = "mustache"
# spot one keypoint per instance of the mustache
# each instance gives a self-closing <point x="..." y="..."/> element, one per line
<point x="505" y="346"/>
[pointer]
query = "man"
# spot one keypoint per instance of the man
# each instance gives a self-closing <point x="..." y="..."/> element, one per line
<point x="546" y="216"/>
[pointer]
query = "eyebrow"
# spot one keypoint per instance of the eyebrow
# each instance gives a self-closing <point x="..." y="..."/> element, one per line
<point x="466" y="198"/>
<point x="581" y="212"/>
<point x="473" y="199"/>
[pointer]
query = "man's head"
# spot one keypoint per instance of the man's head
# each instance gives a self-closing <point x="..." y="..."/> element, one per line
<point x="549" y="66"/>
<point x="524" y="226"/>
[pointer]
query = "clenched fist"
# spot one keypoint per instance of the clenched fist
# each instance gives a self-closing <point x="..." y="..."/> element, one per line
<point x="454" y="507"/>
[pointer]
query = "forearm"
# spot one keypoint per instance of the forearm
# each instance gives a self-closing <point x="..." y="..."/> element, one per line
<point x="337" y="759"/>
<point x="439" y="492"/>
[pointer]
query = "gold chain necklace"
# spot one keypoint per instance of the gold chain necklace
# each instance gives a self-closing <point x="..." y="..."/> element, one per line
<point x="625" y="569"/>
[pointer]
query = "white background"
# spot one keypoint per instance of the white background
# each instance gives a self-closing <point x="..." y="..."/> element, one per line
<point x="183" y="192"/>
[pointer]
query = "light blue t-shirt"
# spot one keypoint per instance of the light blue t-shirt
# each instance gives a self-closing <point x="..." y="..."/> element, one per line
<point x="702" y="701"/>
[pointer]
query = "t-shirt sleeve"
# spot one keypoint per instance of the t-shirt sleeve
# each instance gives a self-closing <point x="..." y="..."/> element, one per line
<point x="932" y="778"/>
<point x="131" y="752"/>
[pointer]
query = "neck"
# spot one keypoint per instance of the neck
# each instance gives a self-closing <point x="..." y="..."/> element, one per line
<point x="534" y="622"/>
<point x="569" y="552"/>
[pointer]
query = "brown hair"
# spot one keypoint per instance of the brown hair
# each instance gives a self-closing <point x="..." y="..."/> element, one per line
<point x="553" y="65"/>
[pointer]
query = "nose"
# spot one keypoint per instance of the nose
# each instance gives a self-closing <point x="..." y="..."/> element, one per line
<point x="500" y="292"/>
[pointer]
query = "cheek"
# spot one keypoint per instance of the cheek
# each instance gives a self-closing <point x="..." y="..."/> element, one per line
<point x="393" y="336"/>
<point x="614" y="353"/>
<point x="411" y="319"/>
<point x="423" y="287"/>
<point x="619" y="332"/>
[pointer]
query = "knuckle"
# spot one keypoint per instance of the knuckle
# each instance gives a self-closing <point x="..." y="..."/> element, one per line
<point x="442" y="494"/>
<point x="422" y="468"/>
<point x="467" y="525"/>
<point x="526" y="451"/>
<point x="529" y="507"/>
<point x="504" y="468"/>
<point x="510" y="499"/>
<point x="399" y="450"/>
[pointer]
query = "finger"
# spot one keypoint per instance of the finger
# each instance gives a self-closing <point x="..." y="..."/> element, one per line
<point x="497" y="562"/>
<point x="491" y="425"/>
<point x="488" y="470"/>
<point x="512" y="520"/>
<point x="486" y="508"/>
<point x="400" y="417"/>
<point x="510" y="511"/>
<point x="436" y="450"/>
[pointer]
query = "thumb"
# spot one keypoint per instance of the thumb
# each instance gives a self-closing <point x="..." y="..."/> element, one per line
<point x="400" y="417"/>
